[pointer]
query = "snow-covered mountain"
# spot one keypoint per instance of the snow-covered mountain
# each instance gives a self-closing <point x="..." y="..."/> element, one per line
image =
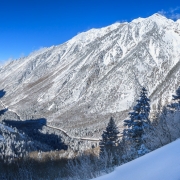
<point x="96" y="74"/>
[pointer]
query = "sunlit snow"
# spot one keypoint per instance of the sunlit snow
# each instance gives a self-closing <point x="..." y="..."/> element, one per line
<point x="161" y="164"/>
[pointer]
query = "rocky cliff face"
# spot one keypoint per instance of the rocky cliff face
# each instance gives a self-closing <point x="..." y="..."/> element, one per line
<point x="96" y="74"/>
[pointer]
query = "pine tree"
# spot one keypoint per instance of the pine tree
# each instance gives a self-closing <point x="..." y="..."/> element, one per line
<point x="109" y="137"/>
<point x="176" y="100"/>
<point x="177" y="96"/>
<point x="139" y="120"/>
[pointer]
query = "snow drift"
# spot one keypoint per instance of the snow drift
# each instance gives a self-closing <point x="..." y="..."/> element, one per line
<point x="163" y="163"/>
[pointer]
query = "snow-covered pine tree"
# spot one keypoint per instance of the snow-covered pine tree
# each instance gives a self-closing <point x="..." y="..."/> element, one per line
<point x="176" y="100"/>
<point x="139" y="120"/>
<point x="109" y="137"/>
<point x="177" y="96"/>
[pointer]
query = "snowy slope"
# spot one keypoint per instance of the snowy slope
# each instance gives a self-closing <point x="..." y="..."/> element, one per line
<point x="161" y="164"/>
<point x="96" y="74"/>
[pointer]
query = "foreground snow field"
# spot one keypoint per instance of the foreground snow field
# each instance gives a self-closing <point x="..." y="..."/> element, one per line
<point x="161" y="164"/>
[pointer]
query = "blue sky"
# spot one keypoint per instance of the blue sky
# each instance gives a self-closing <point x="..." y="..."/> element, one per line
<point x="27" y="25"/>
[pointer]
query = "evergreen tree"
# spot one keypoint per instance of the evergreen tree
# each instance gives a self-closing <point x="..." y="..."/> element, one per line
<point x="176" y="100"/>
<point x="177" y="96"/>
<point x="109" y="137"/>
<point x="139" y="120"/>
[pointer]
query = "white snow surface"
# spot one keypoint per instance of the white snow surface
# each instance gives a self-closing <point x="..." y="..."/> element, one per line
<point x="161" y="164"/>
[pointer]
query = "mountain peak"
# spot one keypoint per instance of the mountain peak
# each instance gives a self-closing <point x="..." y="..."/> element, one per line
<point x="157" y="15"/>
<point x="96" y="73"/>
<point x="158" y="18"/>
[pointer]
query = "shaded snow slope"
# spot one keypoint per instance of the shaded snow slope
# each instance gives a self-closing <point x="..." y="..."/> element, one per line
<point x="96" y="74"/>
<point x="161" y="164"/>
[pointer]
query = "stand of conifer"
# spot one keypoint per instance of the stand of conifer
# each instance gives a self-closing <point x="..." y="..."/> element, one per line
<point x="139" y="120"/>
<point x="109" y="138"/>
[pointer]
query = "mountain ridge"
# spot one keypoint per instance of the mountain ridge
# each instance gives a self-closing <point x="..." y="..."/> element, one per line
<point x="98" y="73"/>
